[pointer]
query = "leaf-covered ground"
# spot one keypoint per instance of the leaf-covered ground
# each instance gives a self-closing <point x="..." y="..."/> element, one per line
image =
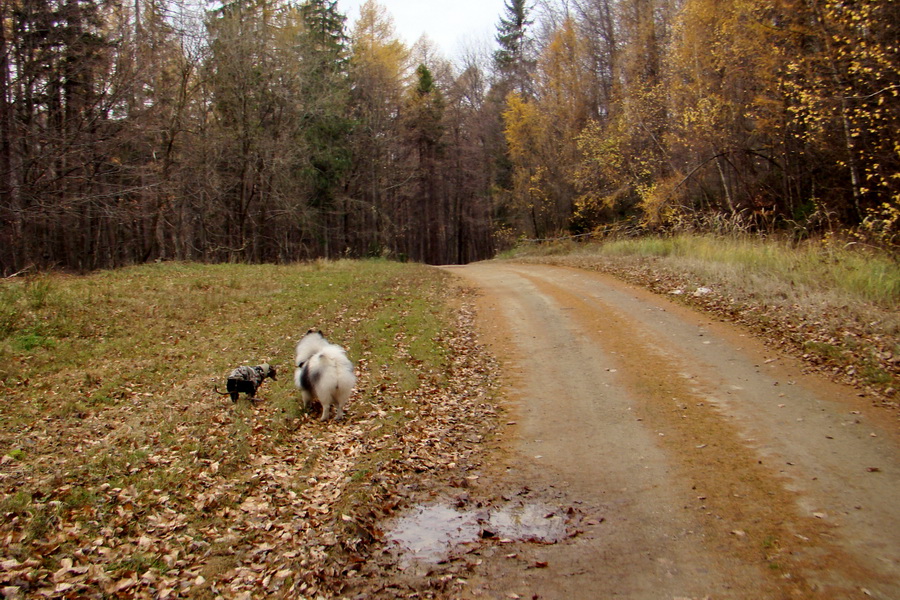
<point x="124" y="475"/>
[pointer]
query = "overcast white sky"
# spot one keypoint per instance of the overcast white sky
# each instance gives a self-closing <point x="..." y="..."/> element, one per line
<point x="450" y="24"/>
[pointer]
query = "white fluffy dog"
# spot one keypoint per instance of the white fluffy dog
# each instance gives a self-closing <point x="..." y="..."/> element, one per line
<point x="323" y="372"/>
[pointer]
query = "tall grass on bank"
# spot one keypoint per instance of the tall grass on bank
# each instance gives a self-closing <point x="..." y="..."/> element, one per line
<point x="837" y="304"/>
<point x="865" y="275"/>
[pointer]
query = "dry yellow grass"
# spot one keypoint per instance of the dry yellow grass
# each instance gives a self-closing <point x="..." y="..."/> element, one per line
<point x="834" y="306"/>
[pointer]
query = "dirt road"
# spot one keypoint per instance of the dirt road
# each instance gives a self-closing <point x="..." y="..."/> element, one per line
<point x="701" y="464"/>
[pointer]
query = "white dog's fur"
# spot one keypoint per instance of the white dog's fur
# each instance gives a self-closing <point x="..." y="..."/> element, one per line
<point x="323" y="372"/>
<point x="311" y="342"/>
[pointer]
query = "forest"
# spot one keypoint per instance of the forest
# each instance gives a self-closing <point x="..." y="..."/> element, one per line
<point x="277" y="131"/>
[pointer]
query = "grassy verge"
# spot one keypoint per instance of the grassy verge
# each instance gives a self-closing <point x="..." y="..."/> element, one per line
<point x="834" y="306"/>
<point x="124" y="473"/>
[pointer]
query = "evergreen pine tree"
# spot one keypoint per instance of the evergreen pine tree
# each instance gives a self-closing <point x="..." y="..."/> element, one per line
<point x="326" y="29"/>
<point x="327" y="95"/>
<point x="424" y="122"/>
<point x="513" y="60"/>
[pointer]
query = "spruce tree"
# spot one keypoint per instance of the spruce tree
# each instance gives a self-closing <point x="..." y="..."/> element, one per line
<point x="513" y="61"/>
<point x="424" y="113"/>
<point x="327" y="95"/>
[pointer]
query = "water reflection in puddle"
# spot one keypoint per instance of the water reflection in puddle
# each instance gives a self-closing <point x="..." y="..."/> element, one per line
<point x="529" y="522"/>
<point x="429" y="533"/>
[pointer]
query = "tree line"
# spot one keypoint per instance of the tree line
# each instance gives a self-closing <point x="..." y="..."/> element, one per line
<point x="271" y="130"/>
<point x="709" y="114"/>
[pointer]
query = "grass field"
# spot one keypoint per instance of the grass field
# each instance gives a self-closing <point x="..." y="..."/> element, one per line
<point x="123" y="473"/>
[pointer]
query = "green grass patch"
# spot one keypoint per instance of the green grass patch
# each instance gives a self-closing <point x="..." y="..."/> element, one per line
<point x="875" y="375"/>
<point x="16" y="503"/>
<point x="825" y="350"/>
<point x="139" y="563"/>
<point x="28" y="341"/>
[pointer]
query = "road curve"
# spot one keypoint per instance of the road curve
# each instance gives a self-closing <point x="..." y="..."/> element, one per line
<point x="716" y="468"/>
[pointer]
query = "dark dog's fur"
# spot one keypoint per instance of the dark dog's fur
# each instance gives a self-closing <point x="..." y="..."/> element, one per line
<point x="247" y="380"/>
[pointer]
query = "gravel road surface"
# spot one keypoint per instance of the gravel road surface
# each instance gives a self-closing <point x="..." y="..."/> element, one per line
<point x="702" y="465"/>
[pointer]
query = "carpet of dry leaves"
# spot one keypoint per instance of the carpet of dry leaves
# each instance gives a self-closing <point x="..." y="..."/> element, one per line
<point x="294" y="516"/>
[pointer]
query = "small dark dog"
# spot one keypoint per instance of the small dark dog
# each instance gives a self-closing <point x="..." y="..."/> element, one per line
<point x="247" y="380"/>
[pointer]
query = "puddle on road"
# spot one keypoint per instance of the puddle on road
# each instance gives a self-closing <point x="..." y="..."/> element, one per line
<point x="529" y="523"/>
<point x="429" y="533"/>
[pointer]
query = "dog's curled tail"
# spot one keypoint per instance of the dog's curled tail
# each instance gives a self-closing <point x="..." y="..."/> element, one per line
<point x="338" y="376"/>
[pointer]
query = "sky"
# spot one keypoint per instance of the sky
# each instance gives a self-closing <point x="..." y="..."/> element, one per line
<point x="450" y="24"/>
